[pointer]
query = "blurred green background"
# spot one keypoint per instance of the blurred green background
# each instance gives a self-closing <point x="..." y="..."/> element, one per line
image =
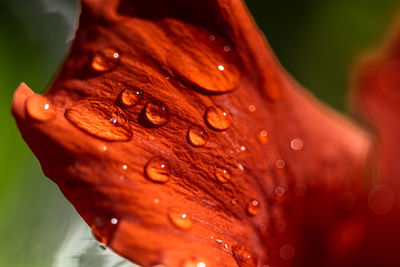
<point x="315" y="40"/>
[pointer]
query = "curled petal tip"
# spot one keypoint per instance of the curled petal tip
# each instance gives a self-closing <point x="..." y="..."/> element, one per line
<point x="22" y="93"/>
<point x="28" y="104"/>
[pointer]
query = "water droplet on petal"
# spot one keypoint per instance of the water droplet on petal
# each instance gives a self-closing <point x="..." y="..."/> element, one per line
<point x="100" y="118"/>
<point x="130" y="97"/>
<point x="252" y="108"/>
<point x="157" y="170"/>
<point x="262" y="136"/>
<point x="381" y="199"/>
<point x="105" y="60"/>
<point x="280" y="191"/>
<point x="240" y="166"/>
<point x="222" y="175"/>
<point x="227" y="48"/>
<point x="234" y="201"/>
<point x="157" y="113"/>
<point x="191" y="263"/>
<point x="103" y="229"/>
<point x="39" y="108"/>
<point x="253" y="208"/>
<point x="180" y="219"/>
<point x="300" y="190"/>
<point x="263" y="227"/>
<point x="207" y="68"/>
<point x="297" y="144"/>
<point x="280" y="164"/>
<point x="212" y="37"/>
<point x="197" y="136"/>
<point x="218" y="118"/>
<point x="244" y="256"/>
<point x="286" y="252"/>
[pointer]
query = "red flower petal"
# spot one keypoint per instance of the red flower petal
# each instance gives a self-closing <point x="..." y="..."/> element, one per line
<point x="378" y="101"/>
<point x="268" y="184"/>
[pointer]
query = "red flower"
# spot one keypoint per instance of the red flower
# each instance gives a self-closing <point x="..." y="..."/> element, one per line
<point x="181" y="141"/>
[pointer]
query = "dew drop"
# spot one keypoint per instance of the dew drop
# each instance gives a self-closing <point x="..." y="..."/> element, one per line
<point x="280" y="191"/>
<point x="197" y="136"/>
<point x="253" y="208"/>
<point x="240" y="166"/>
<point x="234" y="201"/>
<point x="191" y="263"/>
<point x="39" y="108"/>
<point x="244" y="256"/>
<point x="105" y="60"/>
<point x="300" y="190"/>
<point x="157" y="170"/>
<point x="222" y="175"/>
<point x="287" y="252"/>
<point x="212" y="37"/>
<point x="297" y="144"/>
<point x="124" y="167"/>
<point x="156" y="113"/>
<point x="100" y="118"/>
<point x="252" y="108"/>
<point x="218" y="118"/>
<point x="280" y="164"/>
<point x="130" y="97"/>
<point x="208" y="68"/>
<point x="263" y="227"/>
<point x="227" y="48"/>
<point x="381" y="199"/>
<point x="262" y="136"/>
<point x="103" y="229"/>
<point x="180" y="219"/>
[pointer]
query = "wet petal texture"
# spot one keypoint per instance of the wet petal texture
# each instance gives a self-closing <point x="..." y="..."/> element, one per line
<point x="268" y="174"/>
<point x="377" y="96"/>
